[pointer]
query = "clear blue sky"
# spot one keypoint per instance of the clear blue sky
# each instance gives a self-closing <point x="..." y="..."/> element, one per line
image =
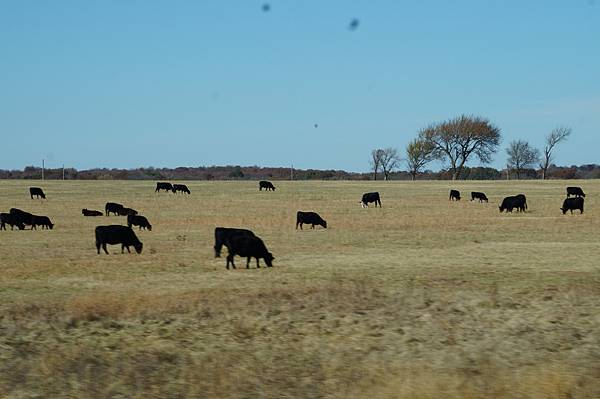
<point x="186" y="83"/>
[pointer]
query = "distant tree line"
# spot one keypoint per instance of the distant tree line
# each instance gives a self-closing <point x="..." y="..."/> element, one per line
<point x="264" y="173"/>
<point x="455" y="142"/>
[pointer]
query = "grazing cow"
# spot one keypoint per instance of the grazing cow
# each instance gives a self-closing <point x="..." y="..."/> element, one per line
<point x="509" y="203"/>
<point x="43" y="221"/>
<point x="222" y="234"/>
<point x="454" y="195"/>
<point x="22" y="217"/>
<point x="266" y="185"/>
<point x="572" y="204"/>
<point x="112" y="207"/>
<point x="163" y="186"/>
<point x="311" y="218"/>
<point x="7" y="218"/>
<point x="126" y="211"/>
<point x="181" y="187"/>
<point x="117" y="234"/>
<point x="37" y="192"/>
<point x="478" y="196"/>
<point x="575" y="191"/>
<point x="140" y="221"/>
<point x="88" y="212"/>
<point x="248" y="247"/>
<point x="370" y="197"/>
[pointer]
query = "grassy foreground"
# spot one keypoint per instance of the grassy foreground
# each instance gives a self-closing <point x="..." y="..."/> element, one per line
<point x="419" y="299"/>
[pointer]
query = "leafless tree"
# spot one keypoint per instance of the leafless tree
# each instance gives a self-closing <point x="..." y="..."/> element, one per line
<point x="521" y="155"/>
<point x="375" y="161"/>
<point x="458" y="139"/>
<point x="419" y="153"/>
<point x="556" y="136"/>
<point x="389" y="161"/>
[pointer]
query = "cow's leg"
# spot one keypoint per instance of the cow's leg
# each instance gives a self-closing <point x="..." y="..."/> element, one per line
<point x="104" y="248"/>
<point x="98" y="247"/>
<point x="257" y="263"/>
<point x="248" y="263"/>
<point x="312" y="226"/>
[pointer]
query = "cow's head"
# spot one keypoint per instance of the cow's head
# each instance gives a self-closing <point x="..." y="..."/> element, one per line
<point x="51" y="225"/>
<point x="149" y="227"/>
<point x="501" y="208"/>
<point x="324" y="224"/>
<point x="138" y="247"/>
<point x="269" y="259"/>
<point x="564" y="210"/>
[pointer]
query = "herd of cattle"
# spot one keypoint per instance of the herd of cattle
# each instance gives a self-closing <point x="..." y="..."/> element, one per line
<point x="241" y="242"/>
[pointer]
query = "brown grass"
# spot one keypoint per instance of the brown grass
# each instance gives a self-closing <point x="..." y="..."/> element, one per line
<point x="420" y="299"/>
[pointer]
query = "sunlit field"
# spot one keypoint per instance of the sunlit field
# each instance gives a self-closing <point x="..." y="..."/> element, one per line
<point x="422" y="298"/>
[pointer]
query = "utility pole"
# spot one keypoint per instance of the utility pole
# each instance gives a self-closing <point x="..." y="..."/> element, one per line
<point x="63" y="171"/>
<point x="292" y="172"/>
<point x="43" y="168"/>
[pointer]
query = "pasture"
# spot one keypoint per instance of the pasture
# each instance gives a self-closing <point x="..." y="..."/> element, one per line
<point x="422" y="298"/>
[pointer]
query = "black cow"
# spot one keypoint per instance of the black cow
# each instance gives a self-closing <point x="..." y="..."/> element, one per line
<point x="7" y="218"/>
<point x="163" y="186"/>
<point x="112" y="207"/>
<point x="126" y="211"/>
<point x="311" y="218"/>
<point x="454" y="195"/>
<point x="370" y="197"/>
<point x="248" y="247"/>
<point x="140" y="221"/>
<point x="116" y="234"/>
<point x="43" y="221"/>
<point x="22" y="217"/>
<point x="266" y="185"/>
<point x="88" y="212"/>
<point x="478" y="196"/>
<point x="37" y="192"/>
<point x="518" y="202"/>
<point x="181" y="187"/>
<point x="572" y="204"/>
<point x="222" y="234"/>
<point x="575" y="191"/>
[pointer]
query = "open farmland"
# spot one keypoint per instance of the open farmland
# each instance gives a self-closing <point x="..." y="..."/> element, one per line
<point x="422" y="298"/>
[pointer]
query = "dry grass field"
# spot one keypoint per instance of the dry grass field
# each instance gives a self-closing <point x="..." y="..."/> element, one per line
<point x="422" y="298"/>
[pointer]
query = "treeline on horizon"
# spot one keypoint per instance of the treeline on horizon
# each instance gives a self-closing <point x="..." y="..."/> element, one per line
<point x="591" y="171"/>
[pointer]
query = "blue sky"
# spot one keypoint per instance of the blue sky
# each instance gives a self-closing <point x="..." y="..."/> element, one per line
<point x="187" y="83"/>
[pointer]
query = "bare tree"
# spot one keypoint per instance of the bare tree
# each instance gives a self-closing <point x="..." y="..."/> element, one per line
<point x="458" y="139"/>
<point x="419" y="153"/>
<point x="389" y="161"/>
<point x="556" y="136"/>
<point x="375" y="161"/>
<point x="521" y="155"/>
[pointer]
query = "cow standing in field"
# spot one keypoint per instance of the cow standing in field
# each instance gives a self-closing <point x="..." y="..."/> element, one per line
<point x="222" y="236"/>
<point x="21" y="217"/>
<point x="140" y="221"/>
<point x="88" y="212"/>
<point x="572" y="204"/>
<point x="311" y="218"/>
<point x="37" y="192"/>
<point x="370" y="197"/>
<point x="43" y="221"/>
<point x="181" y="188"/>
<point x="126" y="211"/>
<point x="116" y="234"/>
<point x="266" y="185"/>
<point x="163" y="186"/>
<point x="454" y="195"/>
<point x="575" y="191"/>
<point x="248" y="247"/>
<point x="112" y="207"/>
<point x="518" y="202"/>
<point x="11" y="220"/>
<point x="478" y="196"/>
